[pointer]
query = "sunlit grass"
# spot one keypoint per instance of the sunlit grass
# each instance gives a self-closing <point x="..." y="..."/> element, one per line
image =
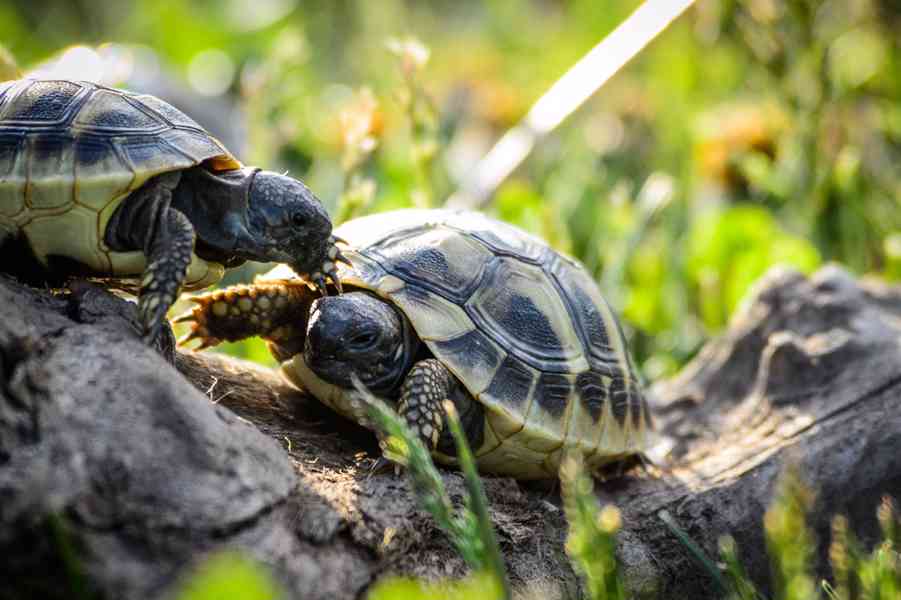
<point x="469" y="529"/>
<point x="591" y="543"/>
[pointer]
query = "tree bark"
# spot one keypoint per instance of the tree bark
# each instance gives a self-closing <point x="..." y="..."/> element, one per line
<point x="117" y="473"/>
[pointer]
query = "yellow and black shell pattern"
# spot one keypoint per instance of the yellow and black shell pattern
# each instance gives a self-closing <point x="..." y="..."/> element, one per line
<point x="523" y="327"/>
<point x="71" y="151"/>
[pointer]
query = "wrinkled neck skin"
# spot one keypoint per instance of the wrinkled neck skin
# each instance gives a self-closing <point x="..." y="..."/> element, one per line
<point x="412" y="347"/>
<point x="216" y="204"/>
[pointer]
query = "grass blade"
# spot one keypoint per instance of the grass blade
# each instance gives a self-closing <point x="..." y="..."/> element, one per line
<point x="477" y="502"/>
<point x="471" y="531"/>
<point x="591" y="543"/>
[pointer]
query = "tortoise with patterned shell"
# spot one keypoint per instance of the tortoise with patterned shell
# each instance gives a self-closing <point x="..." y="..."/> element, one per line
<point x="441" y="305"/>
<point x="110" y="184"/>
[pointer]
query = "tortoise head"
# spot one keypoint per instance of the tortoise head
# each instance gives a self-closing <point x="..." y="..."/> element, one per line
<point x="362" y="335"/>
<point x="286" y="223"/>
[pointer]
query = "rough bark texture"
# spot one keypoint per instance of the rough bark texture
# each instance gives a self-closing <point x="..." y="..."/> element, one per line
<point x="117" y="473"/>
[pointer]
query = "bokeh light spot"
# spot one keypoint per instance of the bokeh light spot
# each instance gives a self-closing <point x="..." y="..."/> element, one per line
<point x="211" y="72"/>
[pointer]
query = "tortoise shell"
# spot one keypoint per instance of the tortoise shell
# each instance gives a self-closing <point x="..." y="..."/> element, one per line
<point x="523" y="327"/>
<point x="71" y="151"/>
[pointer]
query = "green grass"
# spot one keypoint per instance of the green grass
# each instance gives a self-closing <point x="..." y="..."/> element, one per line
<point x="470" y="529"/>
<point x="591" y="542"/>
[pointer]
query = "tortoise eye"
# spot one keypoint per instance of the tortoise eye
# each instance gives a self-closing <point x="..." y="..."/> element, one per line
<point x="363" y="339"/>
<point x="299" y="219"/>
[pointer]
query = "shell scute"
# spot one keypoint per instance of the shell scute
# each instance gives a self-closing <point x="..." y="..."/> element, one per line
<point x="13" y="174"/>
<point x="10" y="150"/>
<point x="168" y="112"/>
<point x="97" y="162"/>
<point x="553" y="392"/>
<point x="148" y="156"/>
<point x="52" y="171"/>
<point x="79" y="229"/>
<point x="593" y="317"/>
<point x="619" y="400"/>
<point x="446" y="320"/>
<point x="592" y="388"/>
<point x="92" y="149"/>
<point x="438" y="259"/>
<point x="473" y="357"/>
<point x="42" y="103"/>
<point x="111" y="111"/>
<point x="517" y="305"/>
<point x="504" y="239"/>
<point x="542" y="433"/>
<point x="197" y="146"/>
<point x="512" y="384"/>
<point x="7" y="91"/>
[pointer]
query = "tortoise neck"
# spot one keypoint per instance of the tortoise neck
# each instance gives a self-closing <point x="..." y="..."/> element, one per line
<point x="413" y="349"/>
<point x="216" y="204"/>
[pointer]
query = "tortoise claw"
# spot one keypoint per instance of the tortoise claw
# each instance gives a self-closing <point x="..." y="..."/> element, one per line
<point x="337" y="282"/>
<point x="319" y="282"/>
<point x="187" y="317"/>
<point x="339" y="240"/>
<point x="329" y="270"/>
<point x="339" y="257"/>
<point x="198" y="333"/>
<point x="335" y="254"/>
<point x="197" y="318"/>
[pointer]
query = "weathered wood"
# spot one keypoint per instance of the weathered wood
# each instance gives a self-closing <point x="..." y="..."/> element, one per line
<point x="145" y="473"/>
<point x="808" y="375"/>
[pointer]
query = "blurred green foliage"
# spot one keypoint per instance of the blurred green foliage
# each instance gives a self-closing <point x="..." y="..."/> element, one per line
<point x="751" y="132"/>
<point x="482" y="586"/>
<point x="857" y="574"/>
<point x="591" y="543"/>
<point x="789" y="541"/>
<point x="729" y="249"/>
<point x="229" y="575"/>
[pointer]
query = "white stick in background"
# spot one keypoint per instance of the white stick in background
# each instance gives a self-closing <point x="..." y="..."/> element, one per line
<point x="569" y="92"/>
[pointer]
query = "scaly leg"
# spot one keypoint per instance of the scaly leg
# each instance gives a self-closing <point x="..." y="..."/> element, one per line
<point x="145" y="221"/>
<point x="274" y="310"/>
<point x="167" y="263"/>
<point x="428" y="384"/>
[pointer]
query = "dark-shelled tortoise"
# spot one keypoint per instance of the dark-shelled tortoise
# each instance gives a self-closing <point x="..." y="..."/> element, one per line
<point x="110" y="184"/>
<point x="453" y="305"/>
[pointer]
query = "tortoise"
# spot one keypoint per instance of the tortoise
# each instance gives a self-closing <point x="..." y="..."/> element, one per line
<point x="438" y="305"/>
<point x="107" y="183"/>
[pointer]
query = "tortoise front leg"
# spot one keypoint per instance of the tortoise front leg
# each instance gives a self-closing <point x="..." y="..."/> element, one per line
<point x="275" y="310"/>
<point x="167" y="263"/>
<point x="145" y="221"/>
<point x="423" y="393"/>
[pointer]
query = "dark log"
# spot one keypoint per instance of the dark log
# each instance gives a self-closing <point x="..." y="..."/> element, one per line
<point x="117" y="473"/>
